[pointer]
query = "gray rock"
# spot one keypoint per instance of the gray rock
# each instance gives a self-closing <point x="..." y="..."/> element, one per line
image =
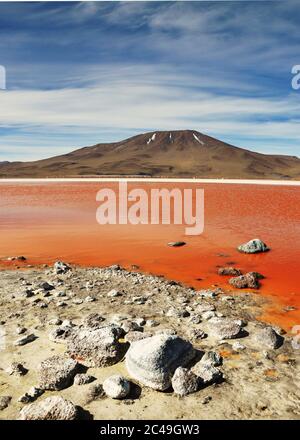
<point x="95" y="392"/>
<point x="250" y="280"/>
<point x="51" y="408"/>
<point x="134" y="336"/>
<point x="223" y="328"/>
<point x="207" y="373"/>
<point x="196" y="333"/>
<point x="31" y="395"/>
<point x="229" y="271"/>
<point x="25" y="340"/>
<point x="253" y="246"/>
<point x="184" y="381"/>
<point x="94" y="320"/>
<point x="16" y="369"/>
<point x="57" y="372"/>
<point x="4" y="402"/>
<point x="61" y="268"/>
<point x="212" y="358"/>
<point x="96" y="347"/>
<point x="205" y="307"/>
<point x="21" y="330"/>
<point x="237" y="346"/>
<point x="61" y="334"/>
<point x="152" y="361"/>
<point x="131" y="326"/>
<point x="268" y="338"/>
<point x="114" y="293"/>
<point x="152" y="323"/>
<point x="116" y="387"/>
<point x="208" y="315"/>
<point x="83" y="379"/>
<point x="176" y="243"/>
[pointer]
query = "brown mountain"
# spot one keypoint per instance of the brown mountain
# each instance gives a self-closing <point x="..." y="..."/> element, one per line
<point x="182" y="153"/>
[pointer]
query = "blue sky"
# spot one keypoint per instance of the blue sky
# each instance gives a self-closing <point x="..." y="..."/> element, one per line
<point x="80" y="73"/>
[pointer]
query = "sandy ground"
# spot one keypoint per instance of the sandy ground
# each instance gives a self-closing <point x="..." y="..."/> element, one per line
<point x="258" y="383"/>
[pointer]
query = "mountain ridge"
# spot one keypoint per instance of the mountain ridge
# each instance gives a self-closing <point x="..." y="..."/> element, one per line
<point x="172" y="153"/>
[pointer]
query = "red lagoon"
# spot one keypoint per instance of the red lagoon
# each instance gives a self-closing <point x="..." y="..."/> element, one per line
<point x="50" y="221"/>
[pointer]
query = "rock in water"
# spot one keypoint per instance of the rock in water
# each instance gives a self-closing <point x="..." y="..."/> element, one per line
<point x="176" y="243"/>
<point x="229" y="271"/>
<point x="60" y="267"/>
<point x="51" y="408"/>
<point x="250" y="280"/>
<point x="184" y="381"/>
<point x="268" y="338"/>
<point x="98" y="347"/>
<point x="253" y="247"/>
<point x="57" y="372"/>
<point x="152" y="361"/>
<point x="116" y="387"/>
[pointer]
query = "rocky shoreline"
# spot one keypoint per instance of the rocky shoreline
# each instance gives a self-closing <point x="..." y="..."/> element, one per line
<point x="107" y="343"/>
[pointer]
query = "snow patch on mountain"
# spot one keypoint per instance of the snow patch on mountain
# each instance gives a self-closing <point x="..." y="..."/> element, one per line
<point x="198" y="140"/>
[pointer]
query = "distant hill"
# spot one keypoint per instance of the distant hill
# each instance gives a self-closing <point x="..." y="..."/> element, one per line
<point x="180" y="153"/>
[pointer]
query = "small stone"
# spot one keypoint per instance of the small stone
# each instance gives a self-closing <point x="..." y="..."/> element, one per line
<point x="133" y="336"/>
<point x="184" y="381"/>
<point x="208" y="315"/>
<point x="77" y="301"/>
<point x="31" y="395"/>
<point x="250" y="280"/>
<point x="61" y="304"/>
<point x="212" y="358"/>
<point x="16" y="369"/>
<point x="61" y="268"/>
<point x="229" y="271"/>
<point x="57" y="372"/>
<point x="140" y="321"/>
<point x="89" y="299"/>
<point x="197" y="333"/>
<point x="51" y="408"/>
<point x="94" y="320"/>
<point x="206" y="400"/>
<point x="253" y="246"/>
<point x="4" y="402"/>
<point x="223" y="328"/>
<point x="268" y="338"/>
<point x="25" y="340"/>
<point x="95" y="392"/>
<point x="151" y="323"/>
<point x="237" y="346"/>
<point x="20" y="330"/>
<point x="114" y="293"/>
<point x="60" y="334"/>
<point x="116" y="387"/>
<point x="46" y="286"/>
<point x="83" y="379"/>
<point x="176" y="243"/>
<point x="207" y="373"/>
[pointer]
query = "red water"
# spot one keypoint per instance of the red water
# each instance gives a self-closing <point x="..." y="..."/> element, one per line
<point x="48" y="221"/>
